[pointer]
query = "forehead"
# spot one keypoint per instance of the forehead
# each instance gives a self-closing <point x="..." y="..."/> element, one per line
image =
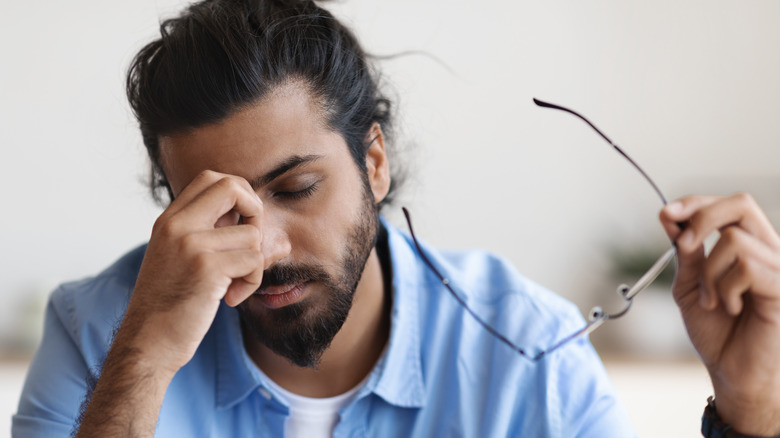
<point x="284" y="123"/>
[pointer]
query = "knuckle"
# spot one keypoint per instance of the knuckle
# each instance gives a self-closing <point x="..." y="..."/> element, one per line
<point x="159" y="223"/>
<point x="166" y="227"/>
<point x="207" y="175"/>
<point x="201" y="261"/>
<point x="744" y="267"/>
<point x="254" y="236"/>
<point x="241" y="182"/>
<point x="234" y="184"/>
<point x="255" y="278"/>
<point x="696" y="220"/>
<point x="227" y="183"/>
<point x="745" y="199"/>
<point x="730" y="235"/>
<point x="204" y="178"/>
<point x="189" y="243"/>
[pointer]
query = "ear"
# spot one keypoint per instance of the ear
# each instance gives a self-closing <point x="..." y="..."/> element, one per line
<point x="377" y="166"/>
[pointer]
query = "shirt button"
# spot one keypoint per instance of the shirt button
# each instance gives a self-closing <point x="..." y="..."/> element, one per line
<point x="264" y="392"/>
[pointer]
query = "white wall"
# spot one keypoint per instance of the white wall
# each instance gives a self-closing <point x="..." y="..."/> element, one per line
<point x="689" y="88"/>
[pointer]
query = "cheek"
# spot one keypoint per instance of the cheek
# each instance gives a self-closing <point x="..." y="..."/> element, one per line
<point x="323" y="232"/>
<point x="321" y="235"/>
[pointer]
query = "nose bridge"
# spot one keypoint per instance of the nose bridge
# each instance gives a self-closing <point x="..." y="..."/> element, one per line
<point x="276" y="240"/>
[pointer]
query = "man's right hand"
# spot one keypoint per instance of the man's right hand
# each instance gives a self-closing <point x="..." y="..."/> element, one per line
<point x="206" y="246"/>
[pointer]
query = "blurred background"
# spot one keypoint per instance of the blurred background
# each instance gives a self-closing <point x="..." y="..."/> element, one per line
<point x="688" y="88"/>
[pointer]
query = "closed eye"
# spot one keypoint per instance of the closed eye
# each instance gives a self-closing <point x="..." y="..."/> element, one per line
<point x="300" y="194"/>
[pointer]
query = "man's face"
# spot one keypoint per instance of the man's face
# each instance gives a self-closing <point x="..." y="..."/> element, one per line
<point x="318" y="206"/>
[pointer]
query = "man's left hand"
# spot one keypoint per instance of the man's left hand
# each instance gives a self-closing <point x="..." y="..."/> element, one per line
<point x="730" y="303"/>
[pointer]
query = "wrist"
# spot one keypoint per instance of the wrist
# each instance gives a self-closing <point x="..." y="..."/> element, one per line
<point x="135" y="346"/>
<point x="726" y="421"/>
<point x="128" y="395"/>
<point x="129" y="353"/>
<point x="750" y="405"/>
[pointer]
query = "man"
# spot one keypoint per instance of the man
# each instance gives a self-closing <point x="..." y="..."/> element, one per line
<point x="272" y="300"/>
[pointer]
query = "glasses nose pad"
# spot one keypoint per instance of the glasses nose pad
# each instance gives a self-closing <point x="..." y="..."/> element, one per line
<point x="595" y="313"/>
<point x="623" y="289"/>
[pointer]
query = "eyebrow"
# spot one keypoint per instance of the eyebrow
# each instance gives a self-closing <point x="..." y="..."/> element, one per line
<point x="285" y="166"/>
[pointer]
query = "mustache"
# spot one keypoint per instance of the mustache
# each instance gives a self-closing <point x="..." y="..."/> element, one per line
<point x="292" y="274"/>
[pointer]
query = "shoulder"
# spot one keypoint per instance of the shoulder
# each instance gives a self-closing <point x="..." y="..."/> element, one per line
<point x="79" y="324"/>
<point x="489" y="284"/>
<point x="90" y="309"/>
<point x="466" y="366"/>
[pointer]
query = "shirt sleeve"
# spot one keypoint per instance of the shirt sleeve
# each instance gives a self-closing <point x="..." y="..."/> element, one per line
<point x="56" y="381"/>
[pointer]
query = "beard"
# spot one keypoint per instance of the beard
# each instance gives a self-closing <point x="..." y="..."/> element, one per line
<point x="302" y="331"/>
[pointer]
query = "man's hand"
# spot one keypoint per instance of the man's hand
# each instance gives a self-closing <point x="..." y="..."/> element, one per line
<point x="205" y="247"/>
<point x="730" y="302"/>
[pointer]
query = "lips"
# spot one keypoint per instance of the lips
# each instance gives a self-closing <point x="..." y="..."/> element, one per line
<point x="276" y="290"/>
<point x="282" y="295"/>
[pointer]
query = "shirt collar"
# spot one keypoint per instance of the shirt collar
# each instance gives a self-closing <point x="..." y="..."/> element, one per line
<point x="235" y="376"/>
<point x="397" y="377"/>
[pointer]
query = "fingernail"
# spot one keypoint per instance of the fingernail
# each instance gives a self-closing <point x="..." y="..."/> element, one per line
<point x="685" y="238"/>
<point x="675" y="207"/>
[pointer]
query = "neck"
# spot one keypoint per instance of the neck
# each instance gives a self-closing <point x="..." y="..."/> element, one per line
<point x="351" y="355"/>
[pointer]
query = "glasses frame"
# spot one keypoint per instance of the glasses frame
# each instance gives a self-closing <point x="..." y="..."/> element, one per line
<point x="597" y="316"/>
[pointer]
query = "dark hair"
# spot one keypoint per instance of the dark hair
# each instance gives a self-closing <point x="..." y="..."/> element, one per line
<point x="220" y="56"/>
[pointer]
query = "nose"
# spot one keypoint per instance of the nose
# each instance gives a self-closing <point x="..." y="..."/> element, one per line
<point x="276" y="240"/>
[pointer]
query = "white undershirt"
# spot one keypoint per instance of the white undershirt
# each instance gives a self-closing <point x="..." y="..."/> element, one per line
<point x="313" y="417"/>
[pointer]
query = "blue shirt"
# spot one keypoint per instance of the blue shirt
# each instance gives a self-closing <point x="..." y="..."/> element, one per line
<point x="442" y="374"/>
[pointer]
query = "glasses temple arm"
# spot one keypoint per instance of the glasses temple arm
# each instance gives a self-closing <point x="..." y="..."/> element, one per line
<point x="544" y="104"/>
<point x="460" y="300"/>
<point x="592" y="325"/>
<point x="651" y="273"/>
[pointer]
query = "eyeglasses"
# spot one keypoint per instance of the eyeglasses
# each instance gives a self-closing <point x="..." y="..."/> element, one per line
<point x="597" y="316"/>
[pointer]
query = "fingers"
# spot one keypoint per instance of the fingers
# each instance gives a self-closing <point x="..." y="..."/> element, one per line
<point x="225" y="195"/>
<point x="243" y="287"/>
<point x="687" y="290"/>
<point x="760" y="281"/>
<point x="733" y="285"/>
<point x="731" y="265"/>
<point x="241" y="266"/>
<point x="212" y="195"/>
<point x="223" y="269"/>
<point x="222" y="239"/>
<point x="706" y="215"/>
<point x="242" y="263"/>
<point x="218" y="212"/>
<point x="746" y="258"/>
<point x="205" y="247"/>
<point x="680" y="211"/>
<point x="216" y="200"/>
<point x="240" y="290"/>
